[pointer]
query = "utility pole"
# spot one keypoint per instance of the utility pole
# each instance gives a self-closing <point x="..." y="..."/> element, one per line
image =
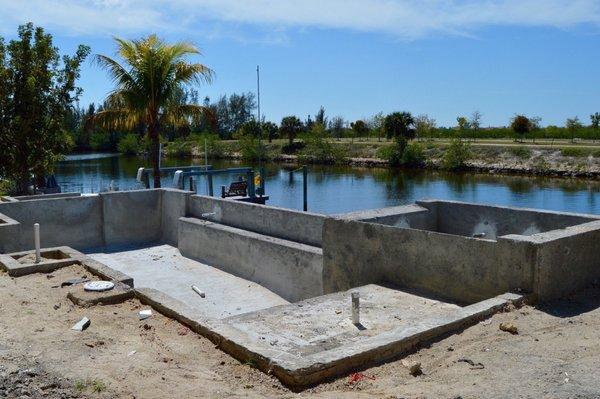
<point x="260" y="167"/>
<point x="258" y="93"/>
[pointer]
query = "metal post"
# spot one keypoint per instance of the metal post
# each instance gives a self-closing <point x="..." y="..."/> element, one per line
<point x="262" y="181"/>
<point x="147" y="179"/>
<point x="159" y="155"/>
<point x="36" y="238"/>
<point x="250" y="182"/>
<point x="305" y="188"/>
<point x="210" y="184"/>
<point x="191" y="183"/>
<point x="355" y="308"/>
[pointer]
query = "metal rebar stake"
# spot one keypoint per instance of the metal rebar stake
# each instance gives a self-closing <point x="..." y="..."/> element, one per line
<point x="355" y="308"/>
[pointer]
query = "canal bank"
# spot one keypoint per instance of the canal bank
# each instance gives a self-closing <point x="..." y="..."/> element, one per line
<point x="342" y="188"/>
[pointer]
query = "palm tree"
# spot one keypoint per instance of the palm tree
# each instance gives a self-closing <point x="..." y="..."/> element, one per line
<point x="148" y="82"/>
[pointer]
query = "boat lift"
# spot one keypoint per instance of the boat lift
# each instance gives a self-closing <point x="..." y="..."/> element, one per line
<point x="143" y="174"/>
<point x="255" y="194"/>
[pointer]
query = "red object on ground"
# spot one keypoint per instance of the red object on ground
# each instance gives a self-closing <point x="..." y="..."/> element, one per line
<point x="356" y="377"/>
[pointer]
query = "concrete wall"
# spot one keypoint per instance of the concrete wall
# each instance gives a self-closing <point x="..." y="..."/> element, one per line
<point x="467" y="219"/>
<point x="288" y="224"/>
<point x="132" y="217"/>
<point x="289" y="269"/>
<point x="174" y="205"/>
<point x="74" y="222"/>
<point x="84" y="222"/>
<point x="406" y="216"/>
<point x="567" y="260"/>
<point x="457" y="268"/>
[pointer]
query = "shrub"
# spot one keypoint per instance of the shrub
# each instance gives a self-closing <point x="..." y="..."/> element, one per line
<point x="251" y="148"/>
<point x="456" y="155"/>
<point x="214" y="146"/>
<point x="572" y="152"/>
<point x="521" y="152"/>
<point x="129" y="144"/>
<point x="393" y="153"/>
<point x="318" y="149"/>
<point x="6" y="187"/>
<point x="387" y="152"/>
<point x="413" y="155"/>
<point x="99" y="141"/>
<point x="178" y="148"/>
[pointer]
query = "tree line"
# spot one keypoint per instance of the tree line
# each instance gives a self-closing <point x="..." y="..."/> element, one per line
<point x="155" y="98"/>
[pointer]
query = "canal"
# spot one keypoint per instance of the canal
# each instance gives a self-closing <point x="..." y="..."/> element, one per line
<point x="338" y="189"/>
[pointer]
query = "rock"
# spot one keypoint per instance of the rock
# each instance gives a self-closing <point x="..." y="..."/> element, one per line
<point x="509" y="327"/>
<point x="414" y="368"/>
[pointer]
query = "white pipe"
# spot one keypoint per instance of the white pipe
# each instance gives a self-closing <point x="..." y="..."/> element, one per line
<point x="198" y="291"/>
<point x="355" y="308"/>
<point x="36" y="235"/>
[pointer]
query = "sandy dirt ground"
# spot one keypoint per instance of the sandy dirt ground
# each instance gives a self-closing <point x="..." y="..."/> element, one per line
<point x="556" y="354"/>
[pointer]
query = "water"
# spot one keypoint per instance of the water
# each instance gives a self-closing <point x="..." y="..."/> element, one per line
<point x="338" y="189"/>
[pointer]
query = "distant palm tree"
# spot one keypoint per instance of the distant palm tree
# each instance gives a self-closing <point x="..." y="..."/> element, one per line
<point x="148" y="82"/>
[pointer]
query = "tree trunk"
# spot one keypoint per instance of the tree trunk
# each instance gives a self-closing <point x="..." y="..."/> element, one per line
<point x="155" y="153"/>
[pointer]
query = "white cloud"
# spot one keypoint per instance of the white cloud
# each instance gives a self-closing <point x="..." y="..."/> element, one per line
<point x="407" y="19"/>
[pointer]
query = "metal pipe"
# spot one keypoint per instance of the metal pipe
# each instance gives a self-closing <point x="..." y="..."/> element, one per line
<point x="36" y="237"/>
<point x="305" y="188"/>
<point x="355" y="308"/>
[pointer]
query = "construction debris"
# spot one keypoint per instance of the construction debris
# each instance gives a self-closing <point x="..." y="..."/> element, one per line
<point x="199" y="291"/>
<point x="82" y="324"/>
<point x="74" y="281"/>
<point x="144" y="314"/>
<point x="474" y="366"/>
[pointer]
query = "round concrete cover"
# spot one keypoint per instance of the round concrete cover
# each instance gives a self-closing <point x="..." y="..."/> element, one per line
<point x="99" y="286"/>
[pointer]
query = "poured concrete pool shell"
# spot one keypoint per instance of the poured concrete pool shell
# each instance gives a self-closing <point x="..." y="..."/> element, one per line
<point x="277" y="282"/>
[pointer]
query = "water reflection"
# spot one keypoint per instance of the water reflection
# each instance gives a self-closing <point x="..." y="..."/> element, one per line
<point x="337" y="189"/>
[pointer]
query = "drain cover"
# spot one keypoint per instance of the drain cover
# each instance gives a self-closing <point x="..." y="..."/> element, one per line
<point x="99" y="286"/>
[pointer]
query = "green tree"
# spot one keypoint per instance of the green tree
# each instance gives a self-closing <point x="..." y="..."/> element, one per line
<point x="595" y="119"/>
<point x="359" y="128"/>
<point x="521" y="125"/>
<point x="376" y="124"/>
<point x="37" y="93"/>
<point x="250" y="128"/>
<point x="474" y="123"/>
<point x="270" y="130"/>
<point x="462" y="125"/>
<point x="290" y="127"/>
<point x="424" y="126"/>
<point x="320" y="117"/>
<point x="336" y="127"/>
<point x="573" y="125"/>
<point x="399" y="125"/>
<point x="148" y="84"/>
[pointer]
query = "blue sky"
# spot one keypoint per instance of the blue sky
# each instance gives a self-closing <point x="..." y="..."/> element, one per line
<point x="358" y="57"/>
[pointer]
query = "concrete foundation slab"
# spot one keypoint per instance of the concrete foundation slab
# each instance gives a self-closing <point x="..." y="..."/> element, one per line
<point x="163" y="268"/>
<point x="307" y="342"/>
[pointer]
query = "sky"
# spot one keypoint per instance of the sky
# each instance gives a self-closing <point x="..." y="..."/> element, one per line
<point x="444" y="58"/>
